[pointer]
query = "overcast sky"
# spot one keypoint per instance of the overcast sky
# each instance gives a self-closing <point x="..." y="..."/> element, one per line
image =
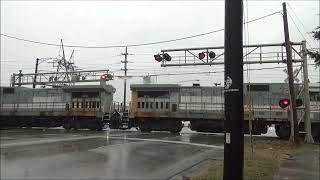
<point x="104" y="23"/>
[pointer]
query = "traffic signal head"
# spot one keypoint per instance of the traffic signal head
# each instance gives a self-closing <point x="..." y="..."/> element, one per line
<point x="212" y="55"/>
<point x="158" y="57"/>
<point x="283" y="103"/>
<point x="167" y="57"/>
<point x="202" y="55"/>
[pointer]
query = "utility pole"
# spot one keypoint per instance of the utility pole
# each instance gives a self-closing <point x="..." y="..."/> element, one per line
<point x="307" y="122"/>
<point x="290" y="75"/>
<point x="20" y="78"/>
<point x="233" y="90"/>
<point x="125" y="78"/>
<point x="35" y="74"/>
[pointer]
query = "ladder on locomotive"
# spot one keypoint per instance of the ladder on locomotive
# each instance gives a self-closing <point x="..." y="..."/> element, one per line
<point x="124" y="122"/>
<point x="116" y="107"/>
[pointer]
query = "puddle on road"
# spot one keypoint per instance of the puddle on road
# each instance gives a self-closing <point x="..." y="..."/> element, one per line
<point x="47" y="149"/>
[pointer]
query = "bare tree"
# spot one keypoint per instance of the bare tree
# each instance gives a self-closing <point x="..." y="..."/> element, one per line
<point x="314" y="53"/>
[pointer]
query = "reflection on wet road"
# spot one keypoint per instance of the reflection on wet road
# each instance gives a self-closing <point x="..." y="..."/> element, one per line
<point x="111" y="154"/>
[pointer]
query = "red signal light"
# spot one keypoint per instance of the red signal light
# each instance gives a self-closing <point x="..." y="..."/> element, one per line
<point x="202" y="55"/>
<point x="104" y="77"/>
<point x="283" y="103"/>
<point x="158" y="57"/>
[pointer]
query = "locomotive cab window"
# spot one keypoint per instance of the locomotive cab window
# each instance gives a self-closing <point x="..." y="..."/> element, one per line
<point x="259" y="87"/>
<point x="314" y="96"/>
<point x="167" y="105"/>
<point x="8" y="90"/>
<point x="98" y="104"/>
<point x="174" y="107"/>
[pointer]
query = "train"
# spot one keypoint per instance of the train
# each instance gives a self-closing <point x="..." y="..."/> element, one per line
<point x="72" y="107"/>
<point x="153" y="107"/>
<point x="163" y="107"/>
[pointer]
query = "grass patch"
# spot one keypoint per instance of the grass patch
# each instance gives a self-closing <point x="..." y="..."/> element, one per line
<point x="263" y="163"/>
<point x="214" y="172"/>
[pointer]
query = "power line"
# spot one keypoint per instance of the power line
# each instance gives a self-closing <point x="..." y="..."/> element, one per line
<point x="303" y="26"/>
<point x="52" y="44"/>
<point x="131" y="45"/>
<point x="198" y="35"/>
<point x="299" y="30"/>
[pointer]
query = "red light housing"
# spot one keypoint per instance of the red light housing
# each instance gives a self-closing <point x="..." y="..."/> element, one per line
<point x="202" y="55"/>
<point x="158" y="57"/>
<point x="167" y="57"/>
<point x="212" y="55"/>
<point x="283" y="103"/>
<point x="299" y="102"/>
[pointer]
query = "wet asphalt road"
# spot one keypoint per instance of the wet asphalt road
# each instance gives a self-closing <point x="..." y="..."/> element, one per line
<point x="111" y="154"/>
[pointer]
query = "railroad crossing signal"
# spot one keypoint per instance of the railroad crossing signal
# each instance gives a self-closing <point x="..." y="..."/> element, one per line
<point x="106" y="77"/>
<point x="165" y="56"/>
<point x="201" y="56"/>
<point x="283" y="103"/>
<point x="211" y="55"/>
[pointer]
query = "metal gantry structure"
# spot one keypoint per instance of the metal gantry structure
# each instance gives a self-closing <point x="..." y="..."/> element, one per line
<point x="258" y="54"/>
<point x="54" y="78"/>
<point x="63" y="73"/>
<point x="59" y="64"/>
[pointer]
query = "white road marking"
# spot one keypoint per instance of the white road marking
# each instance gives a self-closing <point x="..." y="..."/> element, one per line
<point x="169" y="141"/>
<point x="37" y="142"/>
<point x="6" y="145"/>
